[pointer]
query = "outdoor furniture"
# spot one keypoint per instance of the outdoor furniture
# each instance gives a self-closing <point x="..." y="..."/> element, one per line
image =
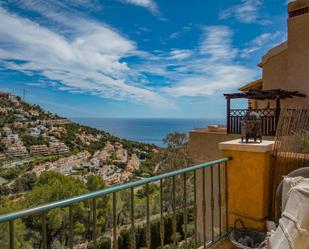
<point x="291" y="226"/>
<point x="304" y="172"/>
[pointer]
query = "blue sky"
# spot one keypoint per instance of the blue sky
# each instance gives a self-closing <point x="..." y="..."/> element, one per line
<point x="135" y="58"/>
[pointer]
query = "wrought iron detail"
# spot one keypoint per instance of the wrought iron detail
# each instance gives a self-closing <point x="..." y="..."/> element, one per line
<point x="268" y="120"/>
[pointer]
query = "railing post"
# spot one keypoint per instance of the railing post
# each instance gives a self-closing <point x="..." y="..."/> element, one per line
<point x="212" y="204"/>
<point x="148" y="232"/>
<point x="185" y="211"/>
<point x="94" y="220"/>
<point x="204" y="207"/>
<point x="219" y="199"/>
<point x="228" y="115"/>
<point x="133" y="244"/>
<point x="11" y="234"/>
<point x="195" y="210"/>
<point x="174" y="213"/>
<point x="114" y="222"/>
<point x="161" y="214"/>
<point x="71" y="227"/>
<point x="226" y="199"/>
<point x="44" y="233"/>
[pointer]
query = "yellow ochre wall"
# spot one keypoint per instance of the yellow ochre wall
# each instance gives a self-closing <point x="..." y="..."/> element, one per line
<point x="248" y="183"/>
<point x="298" y="51"/>
<point x="286" y="66"/>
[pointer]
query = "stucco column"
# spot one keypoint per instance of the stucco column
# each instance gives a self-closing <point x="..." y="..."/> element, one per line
<point x="248" y="181"/>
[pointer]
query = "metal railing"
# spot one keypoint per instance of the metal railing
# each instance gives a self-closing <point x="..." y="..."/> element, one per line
<point x="182" y="175"/>
<point x="269" y="120"/>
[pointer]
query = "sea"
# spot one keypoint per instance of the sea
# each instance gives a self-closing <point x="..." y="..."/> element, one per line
<point x="146" y="130"/>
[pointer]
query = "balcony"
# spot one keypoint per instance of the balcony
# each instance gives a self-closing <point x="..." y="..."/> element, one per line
<point x="269" y="115"/>
<point x="193" y="207"/>
<point x="193" y="212"/>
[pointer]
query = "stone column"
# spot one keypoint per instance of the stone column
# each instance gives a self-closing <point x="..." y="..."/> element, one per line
<point x="248" y="181"/>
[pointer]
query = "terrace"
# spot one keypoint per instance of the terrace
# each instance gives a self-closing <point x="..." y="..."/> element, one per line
<point x="197" y="206"/>
<point x="193" y="207"/>
<point x="269" y="115"/>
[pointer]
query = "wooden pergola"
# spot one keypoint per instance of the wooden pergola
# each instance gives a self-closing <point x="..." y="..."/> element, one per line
<point x="274" y="94"/>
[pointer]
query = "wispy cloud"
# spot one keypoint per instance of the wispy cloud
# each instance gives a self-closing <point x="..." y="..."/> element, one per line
<point x="263" y="41"/>
<point x="245" y="12"/>
<point x="212" y="67"/>
<point x="216" y="42"/>
<point x="148" y="4"/>
<point x="77" y="54"/>
<point x="184" y="30"/>
<point x="180" y="54"/>
<point x="89" y="61"/>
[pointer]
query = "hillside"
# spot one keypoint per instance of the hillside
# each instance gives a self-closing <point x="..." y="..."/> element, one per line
<point x="33" y="140"/>
<point x="46" y="158"/>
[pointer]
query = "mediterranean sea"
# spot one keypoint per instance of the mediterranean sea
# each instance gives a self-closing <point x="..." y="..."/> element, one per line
<point x="146" y="130"/>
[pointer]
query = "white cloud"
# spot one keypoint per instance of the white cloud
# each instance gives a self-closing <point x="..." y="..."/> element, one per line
<point x="216" y="42"/>
<point x="184" y="30"/>
<point x="214" y="68"/>
<point x="148" y="4"/>
<point x="266" y="40"/>
<point x="180" y="54"/>
<point x="217" y="78"/>
<point x="90" y="61"/>
<point x="246" y="12"/>
<point x="80" y="55"/>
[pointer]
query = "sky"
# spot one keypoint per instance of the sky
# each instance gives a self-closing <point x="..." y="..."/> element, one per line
<point x="135" y="58"/>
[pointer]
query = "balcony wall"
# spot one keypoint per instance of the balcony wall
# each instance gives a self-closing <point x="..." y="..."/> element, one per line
<point x="203" y="147"/>
<point x="249" y="170"/>
<point x="203" y="144"/>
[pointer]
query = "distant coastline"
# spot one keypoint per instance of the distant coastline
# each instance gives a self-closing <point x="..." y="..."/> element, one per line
<point x="146" y="130"/>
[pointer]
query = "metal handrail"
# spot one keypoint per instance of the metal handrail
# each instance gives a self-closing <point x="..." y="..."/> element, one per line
<point x="11" y="217"/>
<point x="99" y="193"/>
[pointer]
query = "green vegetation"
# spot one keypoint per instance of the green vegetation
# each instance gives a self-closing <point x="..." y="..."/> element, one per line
<point x="124" y="239"/>
<point x="30" y="140"/>
<point x="9" y="174"/>
<point x="21" y="241"/>
<point x="31" y="191"/>
<point x="24" y="183"/>
<point x="71" y="140"/>
<point x="51" y="186"/>
<point x="2" y="147"/>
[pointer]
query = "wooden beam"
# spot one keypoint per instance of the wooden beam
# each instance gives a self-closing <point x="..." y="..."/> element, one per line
<point x="265" y="94"/>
